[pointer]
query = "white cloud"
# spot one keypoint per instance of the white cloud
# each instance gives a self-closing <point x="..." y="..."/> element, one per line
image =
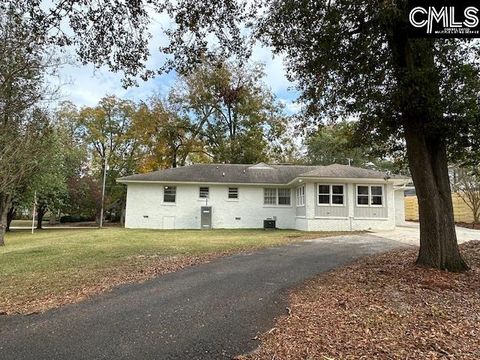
<point x="274" y="68"/>
<point x="291" y="106"/>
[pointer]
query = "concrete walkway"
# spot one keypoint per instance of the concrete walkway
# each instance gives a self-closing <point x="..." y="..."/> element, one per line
<point x="410" y="234"/>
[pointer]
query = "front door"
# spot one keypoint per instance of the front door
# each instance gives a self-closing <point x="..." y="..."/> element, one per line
<point x="206" y="217"/>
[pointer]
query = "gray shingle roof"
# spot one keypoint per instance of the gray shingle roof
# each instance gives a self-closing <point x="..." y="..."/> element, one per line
<point x="343" y="171"/>
<point x="252" y="174"/>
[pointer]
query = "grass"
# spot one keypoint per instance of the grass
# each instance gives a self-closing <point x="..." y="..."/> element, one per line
<point x="53" y="267"/>
<point x="24" y="223"/>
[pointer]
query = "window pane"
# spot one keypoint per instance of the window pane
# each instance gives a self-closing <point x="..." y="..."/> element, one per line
<point x="362" y="190"/>
<point x="300" y="192"/>
<point x="362" y="200"/>
<point x="233" y="193"/>
<point x="337" y="189"/>
<point x="324" y="189"/>
<point x="169" y="194"/>
<point x="324" y="199"/>
<point x="376" y="200"/>
<point x="283" y="196"/>
<point x="204" y="191"/>
<point x="337" y="199"/>
<point x="377" y="190"/>
<point x="270" y="196"/>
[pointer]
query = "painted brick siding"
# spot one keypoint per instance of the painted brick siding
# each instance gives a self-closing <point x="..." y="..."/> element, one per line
<point x="145" y="208"/>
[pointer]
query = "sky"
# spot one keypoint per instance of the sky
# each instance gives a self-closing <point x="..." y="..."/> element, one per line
<point x="85" y="86"/>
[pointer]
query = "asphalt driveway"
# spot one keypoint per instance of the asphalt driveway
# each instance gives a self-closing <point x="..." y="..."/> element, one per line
<point x="211" y="311"/>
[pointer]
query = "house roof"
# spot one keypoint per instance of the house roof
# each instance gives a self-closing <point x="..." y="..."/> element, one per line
<point x="253" y="174"/>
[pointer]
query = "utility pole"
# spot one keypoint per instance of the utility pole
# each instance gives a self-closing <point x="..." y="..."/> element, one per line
<point x="103" y="190"/>
<point x="33" y="212"/>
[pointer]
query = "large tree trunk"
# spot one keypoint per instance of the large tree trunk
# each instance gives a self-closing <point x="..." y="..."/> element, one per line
<point x="4" y="207"/>
<point x="428" y="164"/>
<point x="419" y="100"/>
<point x="42" y="209"/>
<point x="10" y="216"/>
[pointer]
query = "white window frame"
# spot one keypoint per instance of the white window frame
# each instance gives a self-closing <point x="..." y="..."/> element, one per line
<point x="330" y="194"/>
<point x="277" y="204"/>
<point x="228" y="194"/>
<point x="200" y="192"/>
<point x="289" y="197"/>
<point x="370" y="195"/>
<point x="169" y="202"/>
<point x="300" y="196"/>
<point x="275" y="196"/>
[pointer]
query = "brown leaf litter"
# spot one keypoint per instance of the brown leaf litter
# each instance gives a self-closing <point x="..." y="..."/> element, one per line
<point x="382" y="307"/>
<point x="141" y="269"/>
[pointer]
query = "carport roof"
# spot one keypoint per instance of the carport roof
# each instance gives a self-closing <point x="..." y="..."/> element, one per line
<point x="254" y="174"/>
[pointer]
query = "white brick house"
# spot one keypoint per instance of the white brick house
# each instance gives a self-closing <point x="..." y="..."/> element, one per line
<point x="334" y="197"/>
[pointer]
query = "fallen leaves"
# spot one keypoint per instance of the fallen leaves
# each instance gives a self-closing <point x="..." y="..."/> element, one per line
<point x="382" y="307"/>
<point x="137" y="271"/>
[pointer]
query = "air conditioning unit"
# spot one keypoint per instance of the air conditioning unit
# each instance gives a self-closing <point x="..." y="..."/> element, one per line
<point x="269" y="224"/>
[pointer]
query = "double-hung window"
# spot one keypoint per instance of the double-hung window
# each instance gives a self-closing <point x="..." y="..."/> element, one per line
<point x="331" y="195"/>
<point x="269" y="196"/>
<point x="276" y="196"/>
<point x="376" y="195"/>
<point x="169" y="194"/>
<point x="204" y="192"/>
<point x="300" y="195"/>
<point x="370" y="195"/>
<point x="283" y="196"/>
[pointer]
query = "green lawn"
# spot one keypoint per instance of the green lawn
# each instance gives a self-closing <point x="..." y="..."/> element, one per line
<point x="24" y="223"/>
<point x="57" y="266"/>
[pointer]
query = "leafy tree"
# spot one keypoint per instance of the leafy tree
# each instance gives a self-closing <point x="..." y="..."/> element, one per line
<point x="23" y="66"/>
<point x="48" y="185"/>
<point x="231" y="110"/>
<point x="60" y="158"/>
<point x="72" y="153"/>
<point x="166" y="138"/>
<point x="358" y="60"/>
<point x="334" y="144"/>
<point x="349" y="59"/>
<point x="107" y="131"/>
<point x="84" y="196"/>
<point x="341" y="143"/>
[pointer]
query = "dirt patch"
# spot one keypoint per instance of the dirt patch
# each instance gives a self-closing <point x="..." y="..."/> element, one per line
<point x="382" y="307"/>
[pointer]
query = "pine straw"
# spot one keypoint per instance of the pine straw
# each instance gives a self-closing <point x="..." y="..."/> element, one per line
<point x="382" y="307"/>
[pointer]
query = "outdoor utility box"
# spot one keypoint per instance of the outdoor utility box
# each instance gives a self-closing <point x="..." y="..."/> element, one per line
<point x="269" y="224"/>
<point x="206" y="217"/>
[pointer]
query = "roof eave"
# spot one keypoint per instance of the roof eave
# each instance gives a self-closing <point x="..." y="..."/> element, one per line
<point x="395" y="181"/>
<point x="126" y="181"/>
